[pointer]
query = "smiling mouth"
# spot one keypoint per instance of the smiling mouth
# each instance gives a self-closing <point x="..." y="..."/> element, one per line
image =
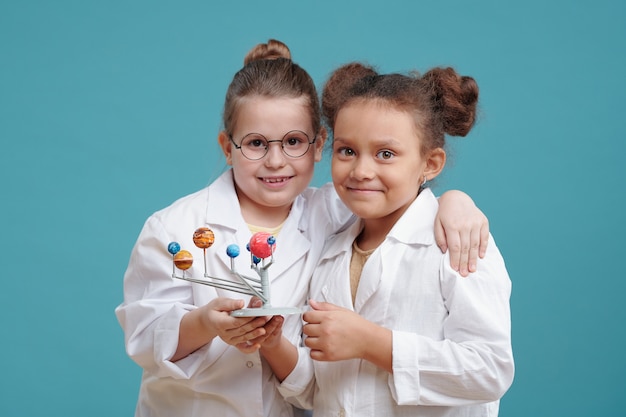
<point x="361" y="189"/>
<point x="275" y="180"/>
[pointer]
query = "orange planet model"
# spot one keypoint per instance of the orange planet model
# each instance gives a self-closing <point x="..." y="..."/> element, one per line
<point x="183" y="260"/>
<point x="203" y="237"/>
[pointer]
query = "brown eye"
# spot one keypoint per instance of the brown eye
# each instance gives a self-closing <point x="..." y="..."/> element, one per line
<point x="385" y="154"/>
<point x="256" y="143"/>
<point x="346" y="152"/>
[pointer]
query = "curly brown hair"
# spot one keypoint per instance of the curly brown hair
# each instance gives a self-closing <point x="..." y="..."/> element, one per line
<point x="441" y="101"/>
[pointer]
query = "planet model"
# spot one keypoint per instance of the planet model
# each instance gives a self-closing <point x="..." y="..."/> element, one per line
<point x="232" y="251"/>
<point x="173" y="248"/>
<point x="261" y="244"/>
<point x="183" y="260"/>
<point x="203" y="237"/>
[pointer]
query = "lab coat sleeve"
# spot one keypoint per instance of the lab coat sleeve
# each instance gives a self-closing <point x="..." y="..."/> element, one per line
<point x="339" y="216"/>
<point x="154" y="304"/>
<point x="473" y="363"/>
<point x="299" y="385"/>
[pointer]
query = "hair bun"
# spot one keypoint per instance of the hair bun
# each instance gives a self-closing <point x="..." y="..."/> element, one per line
<point x="273" y="49"/>
<point x="455" y="98"/>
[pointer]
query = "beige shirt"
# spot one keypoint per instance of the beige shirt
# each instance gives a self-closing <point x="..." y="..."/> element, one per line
<point x="358" y="259"/>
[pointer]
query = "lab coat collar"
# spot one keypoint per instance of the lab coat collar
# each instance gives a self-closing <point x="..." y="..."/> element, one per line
<point x="414" y="227"/>
<point x="222" y="208"/>
<point x="416" y="224"/>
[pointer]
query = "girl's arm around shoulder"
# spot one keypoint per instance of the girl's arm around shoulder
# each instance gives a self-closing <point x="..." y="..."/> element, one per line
<point x="463" y="229"/>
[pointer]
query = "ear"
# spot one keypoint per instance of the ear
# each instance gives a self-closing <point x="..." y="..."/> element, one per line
<point x="226" y="146"/>
<point x="319" y="143"/>
<point x="435" y="161"/>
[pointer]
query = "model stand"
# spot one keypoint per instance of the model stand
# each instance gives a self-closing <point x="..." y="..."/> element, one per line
<point x="261" y="248"/>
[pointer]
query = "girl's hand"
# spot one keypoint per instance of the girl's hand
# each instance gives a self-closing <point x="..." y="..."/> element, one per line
<point x="271" y="338"/>
<point x="334" y="333"/>
<point x="463" y="229"/>
<point x="234" y="331"/>
<point x="273" y="331"/>
<point x="200" y="326"/>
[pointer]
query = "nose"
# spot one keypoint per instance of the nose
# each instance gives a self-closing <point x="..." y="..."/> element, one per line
<point x="362" y="169"/>
<point x="275" y="157"/>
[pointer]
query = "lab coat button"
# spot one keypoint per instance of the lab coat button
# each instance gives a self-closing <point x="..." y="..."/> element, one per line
<point x="342" y="413"/>
<point x="249" y="364"/>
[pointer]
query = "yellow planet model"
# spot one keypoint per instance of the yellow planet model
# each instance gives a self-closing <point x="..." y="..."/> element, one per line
<point x="183" y="260"/>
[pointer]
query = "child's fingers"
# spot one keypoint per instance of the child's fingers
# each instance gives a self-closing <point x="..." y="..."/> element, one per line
<point x="440" y="236"/>
<point x="454" y="249"/>
<point x="484" y="239"/>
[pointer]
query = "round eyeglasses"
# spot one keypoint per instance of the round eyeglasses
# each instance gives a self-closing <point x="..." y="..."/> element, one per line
<point x="254" y="146"/>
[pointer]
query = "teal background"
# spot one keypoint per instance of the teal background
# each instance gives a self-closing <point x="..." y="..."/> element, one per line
<point x="110" y="110"/>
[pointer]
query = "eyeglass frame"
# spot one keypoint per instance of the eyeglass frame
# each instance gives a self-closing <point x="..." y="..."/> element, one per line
<point x="267" y="147"/>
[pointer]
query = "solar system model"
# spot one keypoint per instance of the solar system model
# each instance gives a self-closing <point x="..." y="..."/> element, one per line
<point x="261" y="247"/>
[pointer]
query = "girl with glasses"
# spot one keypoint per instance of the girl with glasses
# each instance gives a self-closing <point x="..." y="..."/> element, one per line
<point x="197" y="359"/>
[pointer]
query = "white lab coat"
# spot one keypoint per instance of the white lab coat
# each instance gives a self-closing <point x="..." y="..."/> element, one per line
<point x="452" y="351"/>
<point x="217" y="379"/>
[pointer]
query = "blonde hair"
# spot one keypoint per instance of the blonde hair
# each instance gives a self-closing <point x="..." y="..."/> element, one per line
<point x="268" y="71"/>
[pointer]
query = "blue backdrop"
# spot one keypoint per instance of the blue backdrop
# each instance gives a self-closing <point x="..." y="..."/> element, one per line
<point x="110" y="111"/>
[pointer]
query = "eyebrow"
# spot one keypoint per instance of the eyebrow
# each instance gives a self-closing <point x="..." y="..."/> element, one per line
<point x="377" y="143"/>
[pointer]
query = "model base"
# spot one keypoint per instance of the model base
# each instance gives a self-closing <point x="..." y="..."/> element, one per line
<point x="265" y="311"/>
